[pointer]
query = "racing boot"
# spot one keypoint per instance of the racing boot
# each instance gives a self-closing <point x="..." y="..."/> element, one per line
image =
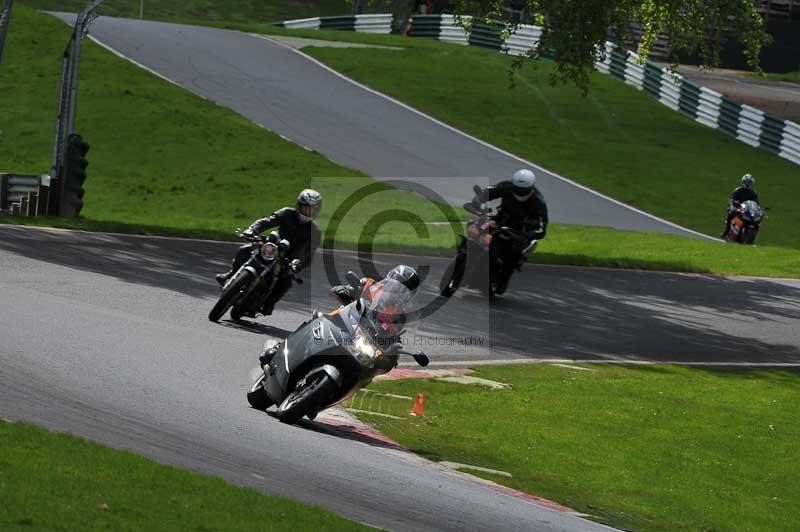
<point x="222" y="278"/>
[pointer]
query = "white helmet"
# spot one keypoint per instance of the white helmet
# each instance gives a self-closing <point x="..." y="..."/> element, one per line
<point x="309" y="203"/>
<point x="523" y="180"/>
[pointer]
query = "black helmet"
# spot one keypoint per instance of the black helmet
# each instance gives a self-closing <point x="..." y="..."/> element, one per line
<point x="309" y="203"/>
<point x="406" y="275"/>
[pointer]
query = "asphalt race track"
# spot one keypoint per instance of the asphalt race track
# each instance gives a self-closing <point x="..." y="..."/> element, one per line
<point x="281" y="89"/>
<point x="106" y="337"/>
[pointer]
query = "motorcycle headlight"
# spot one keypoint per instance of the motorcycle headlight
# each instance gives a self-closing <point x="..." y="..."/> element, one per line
<point x="363" y="348"/>
<point x="268" y="250"/>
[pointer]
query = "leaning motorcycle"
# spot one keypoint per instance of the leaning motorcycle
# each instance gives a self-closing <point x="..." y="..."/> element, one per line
<point x="475" y="264"/>
<point x="332" y="356"/>
<point x="745" y="223"/>
<point x="250" y="287"/>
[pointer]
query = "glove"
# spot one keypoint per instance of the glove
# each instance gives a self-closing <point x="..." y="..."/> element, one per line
<point x="295" y="265"/>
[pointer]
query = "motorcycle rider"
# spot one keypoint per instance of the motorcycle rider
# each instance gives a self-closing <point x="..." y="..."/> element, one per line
<point x="296" y="225"/>
<point x="522" y="209"/>
<point x="744" y="192"/>
<point x="406" y="275"/>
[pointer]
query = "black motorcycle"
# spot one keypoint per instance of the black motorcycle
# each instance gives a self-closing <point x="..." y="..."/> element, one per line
<point x="746" y="222"/>
<point x="249" y="289"/>
<point x="479" y="260"/>
<point x="332" y="356"/>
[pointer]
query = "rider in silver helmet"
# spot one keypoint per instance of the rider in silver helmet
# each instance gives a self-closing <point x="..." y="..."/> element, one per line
<point x="746" y="191"/>
<point x="297" y="225"/>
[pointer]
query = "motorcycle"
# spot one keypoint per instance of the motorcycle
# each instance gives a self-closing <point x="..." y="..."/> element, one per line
<point x="250" y="287"/>
<point x="332" y="356"/>
<point x="745" y="223"/>
<point x="483" y="270"/>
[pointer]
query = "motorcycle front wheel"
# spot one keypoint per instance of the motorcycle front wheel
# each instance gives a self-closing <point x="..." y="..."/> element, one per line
<point x="309" y="395"/>
<point x="257" y="396"/>
<point x="453" y="275"/>
<point x="228" y="295"/>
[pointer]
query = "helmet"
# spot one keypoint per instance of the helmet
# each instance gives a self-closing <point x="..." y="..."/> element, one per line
<point x="523" y="182"/>
<point x="309" y="203"/>
<point x="748" y="181"/>
<point x="406" y="275"/>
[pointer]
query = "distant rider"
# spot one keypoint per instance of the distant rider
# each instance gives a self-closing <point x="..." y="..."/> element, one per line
<point x="744" y="192"/>
<point x="523" y="210"/>
<point x="295" y="225"/>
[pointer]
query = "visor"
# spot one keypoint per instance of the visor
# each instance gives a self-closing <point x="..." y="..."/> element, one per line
<point x="309" y="211"/>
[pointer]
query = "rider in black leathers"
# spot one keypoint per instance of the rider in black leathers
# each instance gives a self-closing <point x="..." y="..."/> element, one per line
<point x="523" y="209"/>
<point x="744" y="192"/>
<point x="295" y="225"/>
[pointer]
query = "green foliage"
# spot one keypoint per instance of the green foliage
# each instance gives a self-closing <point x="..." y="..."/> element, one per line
<point x="574" y="31"/>
<point x="652" y="449"/>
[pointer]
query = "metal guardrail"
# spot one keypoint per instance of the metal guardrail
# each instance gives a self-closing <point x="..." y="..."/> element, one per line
<point x="24" y="195"/>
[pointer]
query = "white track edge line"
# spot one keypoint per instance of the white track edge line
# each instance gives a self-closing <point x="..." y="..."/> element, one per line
<point x="479" y="141"/>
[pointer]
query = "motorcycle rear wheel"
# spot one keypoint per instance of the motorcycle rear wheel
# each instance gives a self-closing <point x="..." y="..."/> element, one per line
<point x="309" y="395"/>
<point x="453" y="275"/>
<point x="257" y="396"/>
<point x="228" y="295"/>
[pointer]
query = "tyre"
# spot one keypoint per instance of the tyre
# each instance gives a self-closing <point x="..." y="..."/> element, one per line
<point x="453" y="275"/>
<point x="748" y="235"/>
<point x="228" y="295"/>
<point x="308" y="397"/>
<point x="257" y="396"/>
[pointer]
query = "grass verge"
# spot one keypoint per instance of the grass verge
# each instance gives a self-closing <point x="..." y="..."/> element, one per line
<point x="617" y="140"/>
<point x="656" y="448"/>
<point x="51" y="482"/>
<point x="206" y="170"/>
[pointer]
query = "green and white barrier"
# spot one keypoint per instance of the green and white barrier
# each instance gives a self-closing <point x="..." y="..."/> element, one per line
<point x="747" y="124"/>
<point x="381" y="23"/>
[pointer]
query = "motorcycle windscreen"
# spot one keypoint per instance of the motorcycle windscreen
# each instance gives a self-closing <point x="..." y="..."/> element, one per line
<point x="389" y="307"/>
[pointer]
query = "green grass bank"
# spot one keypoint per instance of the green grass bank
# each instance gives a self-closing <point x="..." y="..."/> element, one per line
<point x="655" y="448"/>
<point x="52" y="482"/>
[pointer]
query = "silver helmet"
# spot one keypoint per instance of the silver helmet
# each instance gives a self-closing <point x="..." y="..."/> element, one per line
<point x="309" y="203"/>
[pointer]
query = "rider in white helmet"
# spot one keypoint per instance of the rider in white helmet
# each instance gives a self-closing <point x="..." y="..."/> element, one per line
<point x="522" y="208"/>
<point x="744" y="192"/>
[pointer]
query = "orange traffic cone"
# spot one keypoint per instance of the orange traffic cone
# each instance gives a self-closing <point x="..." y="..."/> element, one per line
<point x="419" y="406"/>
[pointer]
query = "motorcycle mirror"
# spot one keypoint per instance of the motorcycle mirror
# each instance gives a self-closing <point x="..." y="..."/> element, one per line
<point x="477" y="190"/>
<point x="422" y="359"/>
<point x="352" y="278"/>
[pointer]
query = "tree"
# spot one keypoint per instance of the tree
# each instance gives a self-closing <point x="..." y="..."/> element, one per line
<point x="574" y="31"/>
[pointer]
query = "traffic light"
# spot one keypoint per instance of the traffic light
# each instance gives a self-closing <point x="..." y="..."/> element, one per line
<point x="74" y="175"/>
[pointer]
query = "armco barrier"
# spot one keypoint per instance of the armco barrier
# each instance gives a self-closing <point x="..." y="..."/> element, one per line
<point x="381" y="23"/>
<point x="703" y="105"/>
